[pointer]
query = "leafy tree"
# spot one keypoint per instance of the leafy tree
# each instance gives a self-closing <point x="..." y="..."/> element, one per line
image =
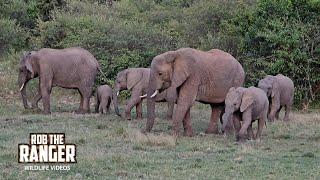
<point x="281" y="36"/>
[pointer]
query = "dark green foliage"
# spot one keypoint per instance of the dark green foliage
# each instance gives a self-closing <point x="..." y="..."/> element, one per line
<point x="266" y="36"/>
<point x="281" y="37"/>
<point x="12" y="36"/>
<point x="45" y="8"/>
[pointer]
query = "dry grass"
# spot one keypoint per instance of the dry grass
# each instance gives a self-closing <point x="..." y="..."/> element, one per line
<point x="136" y="137"/>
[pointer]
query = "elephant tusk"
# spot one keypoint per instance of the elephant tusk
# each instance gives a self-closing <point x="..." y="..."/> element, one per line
<point x="143" y="96"/>
<point x="154" y="94"/>
<point x="21" y="87"/>
<point x="117" y="93"/>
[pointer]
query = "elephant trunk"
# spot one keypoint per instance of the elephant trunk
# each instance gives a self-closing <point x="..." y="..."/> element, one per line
<point x="23" y="91"/>
<point x="115" y="100"/>
<point x="226" y="118"/>
<point x="151" y="103"/>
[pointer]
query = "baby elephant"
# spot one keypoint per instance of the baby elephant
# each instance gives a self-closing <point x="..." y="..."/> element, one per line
<point x="248" y="105"/>
<point x="103" y="95"/>
<point x="280" y="91"/>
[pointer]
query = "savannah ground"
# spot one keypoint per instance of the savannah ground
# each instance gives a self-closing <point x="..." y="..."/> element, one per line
<point x="111" y="147"/>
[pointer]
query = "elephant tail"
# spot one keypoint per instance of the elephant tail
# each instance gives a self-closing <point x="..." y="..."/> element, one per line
<point x="101" y="72"/>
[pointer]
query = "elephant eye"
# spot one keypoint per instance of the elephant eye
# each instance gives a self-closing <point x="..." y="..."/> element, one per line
<point x="160" y="73"/>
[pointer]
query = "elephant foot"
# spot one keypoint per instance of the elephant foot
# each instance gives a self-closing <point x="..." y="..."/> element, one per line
<point x="128" y="118"/>
<point x="188" y="133"/>
<point x="228" y="131"/>
<point x="34" y="106"/>
<point x="145" y="131"/>
<point x="81" y="111"/>
<point x="139" y="117"/>
<point x="212" y="131"/>
<point x="258" y="140"/>
<point x="175" y="133"/>
<point x="46" y="112"/>
<point x="27" y="107"/>
<point x="271" y="120"/>
<point x="241" y="138"/>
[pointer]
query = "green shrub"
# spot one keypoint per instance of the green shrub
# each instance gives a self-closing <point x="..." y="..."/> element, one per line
<point x="266" y="36"/>
<point x="280" y="37"/>
<point x="12" y="36"/>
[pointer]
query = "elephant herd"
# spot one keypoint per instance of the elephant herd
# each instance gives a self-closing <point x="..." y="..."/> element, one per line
<point x="179" y="78"/>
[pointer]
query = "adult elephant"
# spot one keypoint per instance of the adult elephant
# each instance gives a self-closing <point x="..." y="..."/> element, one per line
<point x="73" y="68"/>
<point x="190" y="75"/>
<point x="135" y="80"/>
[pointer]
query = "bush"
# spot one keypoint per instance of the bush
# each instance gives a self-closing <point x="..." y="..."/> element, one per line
<point x="280" y="37"/>
<point x="266" y="36"/>
<point x="12" y="36"/>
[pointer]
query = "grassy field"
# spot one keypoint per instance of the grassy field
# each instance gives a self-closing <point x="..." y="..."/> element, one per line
<point x="108" y="146"/>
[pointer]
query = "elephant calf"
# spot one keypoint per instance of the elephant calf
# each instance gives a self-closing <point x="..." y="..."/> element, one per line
<point x="280" y="90"/>
<point x="103" y="99"/>
<point x="136" y="80"/>
<point x="248" y="105"/>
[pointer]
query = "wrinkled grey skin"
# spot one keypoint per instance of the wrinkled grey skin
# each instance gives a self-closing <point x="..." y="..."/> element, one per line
<point x="190" y="75"/>
<point x="280" y="90"/>
<point x="103" y="99"/>
<point x="250" y="104"/>
<point x="72" y="68"/>
<point x="136" y="80"/>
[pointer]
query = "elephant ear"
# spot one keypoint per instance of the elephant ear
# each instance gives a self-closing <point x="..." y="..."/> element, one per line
<point x="275" y="88"/>
<point x="133" y="77"/>
<point x="28" y="64"/>
<point x="181" y="67"/>
<point x="247" y="100"/>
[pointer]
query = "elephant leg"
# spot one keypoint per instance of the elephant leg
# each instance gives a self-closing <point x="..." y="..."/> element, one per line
<point x="139" y="110"/>
<point x="96" y="108"/>
<point x="104" y="109"/>
<point x="247" y="121"/>
<point x="274" y="108"/>
<point x="103" y="106"/>
<point x="108" y="105"/>
<point x="36" y="99"/>
<point x="86" y="93"/>
<point x="81" y="102"/>
<point x="178" y="116"/>
<point x="213" y="125"/>
<point x="261" y="123"/>
<point x="132" y="102"/>
<point x="46" y="87"/>
<point x="250" y="132"/>
<point x="278" y="112"/>
<point x="237" y="126"/>
<point x="100" y="110"/>
<point x="187" y="97"/>
<point x="187" y="124"/>
<point x="286" y="116"/>
<point x="135" y="99"/>
<point x="170" y="110"/>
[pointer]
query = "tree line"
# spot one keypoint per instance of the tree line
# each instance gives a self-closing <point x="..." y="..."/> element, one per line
<point x="266" y="36"/>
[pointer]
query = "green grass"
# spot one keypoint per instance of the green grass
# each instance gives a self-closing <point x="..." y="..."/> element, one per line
<point x="108" y="146"/>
